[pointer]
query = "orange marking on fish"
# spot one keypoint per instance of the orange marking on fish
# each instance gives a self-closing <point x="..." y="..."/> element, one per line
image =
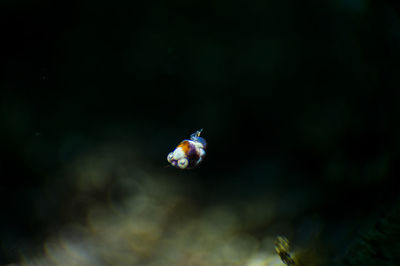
<point x="185" y="146"/>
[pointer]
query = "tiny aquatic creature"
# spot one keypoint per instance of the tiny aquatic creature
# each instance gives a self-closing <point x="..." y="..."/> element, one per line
<point x="189" y="153"/>
<point x="282" y="248"/>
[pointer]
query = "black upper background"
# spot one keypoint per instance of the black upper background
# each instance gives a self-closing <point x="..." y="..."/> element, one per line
<point x="310" y="87"/>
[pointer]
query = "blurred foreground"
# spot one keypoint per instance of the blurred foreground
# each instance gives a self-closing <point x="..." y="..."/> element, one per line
<point x="125" y="215"/>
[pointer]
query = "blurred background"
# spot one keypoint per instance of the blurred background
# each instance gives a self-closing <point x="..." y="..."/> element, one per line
<point x="299" y="105"/>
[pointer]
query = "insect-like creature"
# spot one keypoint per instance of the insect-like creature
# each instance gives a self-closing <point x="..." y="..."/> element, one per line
<point x="282" y="248"/>
<point x="189" y="153"/>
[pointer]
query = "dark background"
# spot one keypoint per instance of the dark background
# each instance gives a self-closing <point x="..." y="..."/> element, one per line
<point x="295" y="97"/>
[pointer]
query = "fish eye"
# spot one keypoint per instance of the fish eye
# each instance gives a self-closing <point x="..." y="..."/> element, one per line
<point x="170" y="156"/>
<point x="183" y="163"/>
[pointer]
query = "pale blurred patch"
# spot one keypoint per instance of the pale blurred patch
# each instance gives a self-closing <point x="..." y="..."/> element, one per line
<point x="156" y="222"/>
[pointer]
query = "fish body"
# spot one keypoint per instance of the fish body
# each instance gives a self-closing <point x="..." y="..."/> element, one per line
<point x="189" y="153"/>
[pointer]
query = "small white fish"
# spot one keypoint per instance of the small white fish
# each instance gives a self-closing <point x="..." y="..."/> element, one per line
<point x="189" y="153"/>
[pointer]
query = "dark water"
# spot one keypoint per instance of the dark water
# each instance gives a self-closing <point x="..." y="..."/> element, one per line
<point x="298" y="101"/>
